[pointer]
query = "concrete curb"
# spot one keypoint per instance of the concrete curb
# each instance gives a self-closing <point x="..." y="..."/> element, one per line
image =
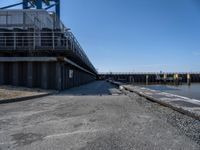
<point x="179" y="109"/>
<point x="19" y="99"/>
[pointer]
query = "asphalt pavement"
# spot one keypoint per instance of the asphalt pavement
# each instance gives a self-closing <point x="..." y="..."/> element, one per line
<point x="96" y="116"/>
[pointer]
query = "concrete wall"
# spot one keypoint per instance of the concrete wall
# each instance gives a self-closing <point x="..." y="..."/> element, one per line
<point x="46" y="75"/>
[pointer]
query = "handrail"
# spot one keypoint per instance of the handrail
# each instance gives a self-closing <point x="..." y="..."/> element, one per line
<point x="37" y="24"/>
<point x="40" y="40"/>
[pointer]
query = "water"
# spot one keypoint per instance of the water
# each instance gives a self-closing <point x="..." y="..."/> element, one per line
<point x="192" y="91"/>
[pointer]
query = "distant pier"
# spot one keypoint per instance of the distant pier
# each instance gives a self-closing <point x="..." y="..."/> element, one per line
<point x="149" y="78"/>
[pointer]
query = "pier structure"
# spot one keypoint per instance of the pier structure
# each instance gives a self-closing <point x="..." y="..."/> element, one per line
<point x="38" y="4"/>
<point x="38" y="50"/>
<point x="153" y="77"/>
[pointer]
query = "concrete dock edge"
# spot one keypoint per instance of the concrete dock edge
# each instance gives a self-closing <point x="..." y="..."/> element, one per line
<point x="178" y="109"/>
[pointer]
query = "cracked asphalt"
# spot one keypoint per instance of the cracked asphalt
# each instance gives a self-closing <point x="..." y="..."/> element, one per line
<point x="96" y="116"/>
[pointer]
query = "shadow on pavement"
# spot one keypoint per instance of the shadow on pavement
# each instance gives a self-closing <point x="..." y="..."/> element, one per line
<point x="93" y="88"/>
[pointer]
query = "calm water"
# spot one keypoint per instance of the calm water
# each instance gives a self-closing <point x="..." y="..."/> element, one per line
<point x="192" y="91"/>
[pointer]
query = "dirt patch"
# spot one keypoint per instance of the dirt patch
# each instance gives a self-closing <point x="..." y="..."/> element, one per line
<point x="12" y="92"/>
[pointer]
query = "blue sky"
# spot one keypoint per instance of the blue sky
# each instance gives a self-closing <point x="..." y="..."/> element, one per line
<point x="136" y="35"/>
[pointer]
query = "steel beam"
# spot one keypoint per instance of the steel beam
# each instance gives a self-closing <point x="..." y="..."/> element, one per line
<point x="25" y="4"/>
<point x="58" y="8"/>
<point x="11" y="5"/>
<point x="27" y="59"/>
<point x="39" y="4"/>
<point x="43" y="59"/>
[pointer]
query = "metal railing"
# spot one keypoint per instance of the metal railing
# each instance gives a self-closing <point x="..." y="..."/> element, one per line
<point x="33" y="41"/>
<point x="43" y="40"/>
<point x="30" y="34"/>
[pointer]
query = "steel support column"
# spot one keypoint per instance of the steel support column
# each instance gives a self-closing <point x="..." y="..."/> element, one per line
<point x="44" y="80"/>
<point x="25" y="4"/>
<point x="1" y="73"/>
<point x="58" y="76"/>
<point x="15" y="74"/>
<point x="58" y="8"/>
<point x="39" y="4"/>
<point x="30" y="74"/>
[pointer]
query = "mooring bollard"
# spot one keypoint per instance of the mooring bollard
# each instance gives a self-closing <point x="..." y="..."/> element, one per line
<point x="165" y="78"/>
<point x="176" y="79"/>
<point x="131" y="80"/>
<point x="188" y="79"/>
<point x="147" y="79"/>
